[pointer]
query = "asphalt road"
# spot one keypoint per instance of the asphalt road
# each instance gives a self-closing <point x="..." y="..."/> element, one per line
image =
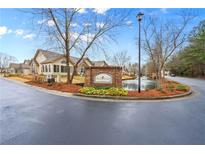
<point x="30" y="116"/>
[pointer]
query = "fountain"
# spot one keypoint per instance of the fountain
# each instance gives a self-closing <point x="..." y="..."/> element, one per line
<point x="133" y="84"/>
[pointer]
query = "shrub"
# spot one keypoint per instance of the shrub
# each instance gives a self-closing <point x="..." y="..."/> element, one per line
<point x="181" y="87"/>
<point x="160" y="88"/>
<point x="102" y="88"/>
<point x="172" y="82"/>
<point x="38" y="78"/>
<point x="104" y="91"/>
<point x="171" y="87"/>
<point x="51" y="81"/>
<point x="117" y="92"/>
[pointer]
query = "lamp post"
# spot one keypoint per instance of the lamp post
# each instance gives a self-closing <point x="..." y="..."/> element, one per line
<point x="139" y="18"/>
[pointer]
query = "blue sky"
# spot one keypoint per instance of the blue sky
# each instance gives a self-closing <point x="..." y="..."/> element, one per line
<point x="19" y="38"/>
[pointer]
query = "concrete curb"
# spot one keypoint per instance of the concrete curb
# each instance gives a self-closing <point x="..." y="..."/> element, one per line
<point x="134" y="98"/>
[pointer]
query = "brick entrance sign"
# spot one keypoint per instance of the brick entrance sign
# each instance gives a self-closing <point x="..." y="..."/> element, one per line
<point x="103" y="76"/>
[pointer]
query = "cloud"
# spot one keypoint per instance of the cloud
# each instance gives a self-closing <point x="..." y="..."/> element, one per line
<point x="41" y="21"/>
<point x="87" y="24"/>
<point x="3" y="30"/>
<point x="129" y="23"/>
<point x="100" y="10"/>
<point x="163" y="10"/>
<point x="29" y="36"/>
<point x="82" y="11"/>
<point x="87" y="37"/>
<point x="74" y="24"/>
<point x="50" y="23"/>
<point x="19" y="32"/>
<point x="10" y="31"/>
<point x="100" y="24"/>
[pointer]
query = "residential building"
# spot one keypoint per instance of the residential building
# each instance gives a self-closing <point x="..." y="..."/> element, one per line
<point x="53" y="65"/>
<point x="20" y="68"/>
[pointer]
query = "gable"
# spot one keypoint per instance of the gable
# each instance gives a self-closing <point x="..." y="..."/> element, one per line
<point x="61" y="61"/>
<point x="40" y="57"/>
<point x="88" y="62"/>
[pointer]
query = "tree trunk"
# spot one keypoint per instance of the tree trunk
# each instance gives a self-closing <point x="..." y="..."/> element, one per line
<point x="74" y="72"/>
<point x="67" y="46"/>
<point x="162" y="73"/>
<point x="68" y="67"/>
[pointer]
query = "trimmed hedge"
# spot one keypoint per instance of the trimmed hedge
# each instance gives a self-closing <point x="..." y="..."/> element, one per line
<point x="182" y="88"/>
<point x="104" y="91"/>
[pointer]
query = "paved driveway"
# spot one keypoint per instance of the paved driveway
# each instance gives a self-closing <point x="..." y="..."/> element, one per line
<point x="30" y="116"/>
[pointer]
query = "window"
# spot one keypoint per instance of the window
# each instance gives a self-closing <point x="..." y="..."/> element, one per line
<point x="64" y="69"/>
<point x="46" y="68"/>
<point x="63" y="62"/>
<point x="49" y="68"/>
<point x="82" y="70"/>
<point x="55" y="68"/>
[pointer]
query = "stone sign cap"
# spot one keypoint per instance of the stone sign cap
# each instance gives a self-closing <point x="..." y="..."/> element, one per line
<point x="104" y="67"/>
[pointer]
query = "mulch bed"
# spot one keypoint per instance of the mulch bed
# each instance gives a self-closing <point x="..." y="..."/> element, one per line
<point x="157" y="93"/>
<point x="153" y="93"/>
<point x="71" y="88"/>
<point x="148" y="93"/>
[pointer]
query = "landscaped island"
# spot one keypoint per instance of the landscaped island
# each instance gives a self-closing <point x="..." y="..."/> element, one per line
<point x="167" y="89"/>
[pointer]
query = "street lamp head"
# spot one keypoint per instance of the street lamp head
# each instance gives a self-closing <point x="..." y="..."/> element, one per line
<point x="139" y="16"/>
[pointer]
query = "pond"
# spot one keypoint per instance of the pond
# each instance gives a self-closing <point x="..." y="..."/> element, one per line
<point x="133" y="84"/>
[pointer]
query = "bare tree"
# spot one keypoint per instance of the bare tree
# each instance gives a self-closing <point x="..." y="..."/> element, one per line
<point x="132" y="69"/>
<point x="120" y="58"/>
<point x="163" y="37"/>
<point x="5" y="60"/>
<point x="71" y="31"/>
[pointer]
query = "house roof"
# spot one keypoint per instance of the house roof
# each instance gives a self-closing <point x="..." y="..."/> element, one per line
<point x="86" y="60"/>
<point x="25" y="66"/>
<point x="26" y="61"/>
<point x="52" y="59"/>
<point x="99" y="63"/>
<point x="49" y="55"/>
<point x="74" y="59"/>
<point x="53" y="56"/>
<point x="14" y="65"/>
<point x="20" y="65"/>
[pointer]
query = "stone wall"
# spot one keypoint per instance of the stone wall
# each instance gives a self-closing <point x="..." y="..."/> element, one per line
<point x="114" y="72"/>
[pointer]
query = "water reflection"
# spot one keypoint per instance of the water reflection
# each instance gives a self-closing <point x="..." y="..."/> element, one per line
<point x="133" y="84"/>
